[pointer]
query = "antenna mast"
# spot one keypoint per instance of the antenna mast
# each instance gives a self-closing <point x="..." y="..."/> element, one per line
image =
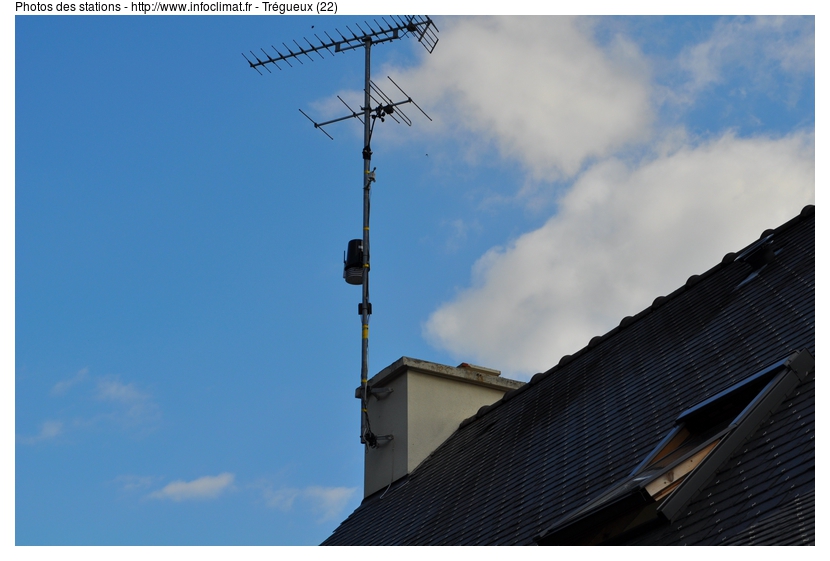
<point x="356" y="264"/>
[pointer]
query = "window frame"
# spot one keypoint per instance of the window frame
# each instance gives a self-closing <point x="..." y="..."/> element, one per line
<point x="654" y="493"/>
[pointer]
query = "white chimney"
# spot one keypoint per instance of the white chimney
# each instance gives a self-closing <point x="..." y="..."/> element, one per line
<point x="426" y="403"/>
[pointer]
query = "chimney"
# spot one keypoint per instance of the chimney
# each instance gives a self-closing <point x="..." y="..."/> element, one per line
<point x="420" y="404"/>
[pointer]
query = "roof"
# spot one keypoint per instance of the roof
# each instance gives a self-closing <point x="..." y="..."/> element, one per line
<point x="547" y="453"/>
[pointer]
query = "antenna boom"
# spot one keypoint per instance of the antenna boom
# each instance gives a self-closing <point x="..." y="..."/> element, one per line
<point x="422" y="27"/>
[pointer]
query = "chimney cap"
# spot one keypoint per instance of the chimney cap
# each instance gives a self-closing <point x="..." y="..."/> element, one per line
<point x="470" y="373"/>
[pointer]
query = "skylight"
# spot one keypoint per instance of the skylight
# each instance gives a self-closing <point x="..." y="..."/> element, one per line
<point x="703" y="437"/>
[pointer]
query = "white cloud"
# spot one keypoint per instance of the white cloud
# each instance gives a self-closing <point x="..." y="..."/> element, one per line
<point x="327" y="502"/>
<point x="111" y="389"/>
<point x="764" y="43"/>
<point x="207" y="487"/>
<point x="626" y="231"/>
<point x="120" y="404"/>
<point x="63" y="386"/>
<point x="282" y="499"/>
<point x="459" y="231"/>
<point x="539" y="88"/>
<point x="131" y="405"/>
<point x="623" y="236"/>
<point x="48" y="431"/>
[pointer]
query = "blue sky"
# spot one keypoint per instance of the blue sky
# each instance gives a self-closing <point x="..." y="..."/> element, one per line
<point x="186" y="350"/>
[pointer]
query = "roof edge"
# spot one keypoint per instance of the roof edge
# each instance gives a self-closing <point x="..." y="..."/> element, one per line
<point x="807" y="212"/>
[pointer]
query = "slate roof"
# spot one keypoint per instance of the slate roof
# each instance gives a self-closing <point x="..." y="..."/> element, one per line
<point x="550" y="447"/>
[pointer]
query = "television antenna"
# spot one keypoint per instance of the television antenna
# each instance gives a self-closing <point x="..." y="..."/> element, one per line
<point x="376" y="105"/>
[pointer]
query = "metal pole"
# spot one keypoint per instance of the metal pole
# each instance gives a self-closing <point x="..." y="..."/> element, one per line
<point x="421" y="27"/>
<point x="365" y="434"/>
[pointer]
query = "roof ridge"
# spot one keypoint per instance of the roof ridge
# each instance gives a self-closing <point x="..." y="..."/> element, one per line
<point x="807" y="212"/>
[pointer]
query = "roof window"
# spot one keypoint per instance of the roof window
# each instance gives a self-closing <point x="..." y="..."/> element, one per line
<point x="702" y="439"/>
